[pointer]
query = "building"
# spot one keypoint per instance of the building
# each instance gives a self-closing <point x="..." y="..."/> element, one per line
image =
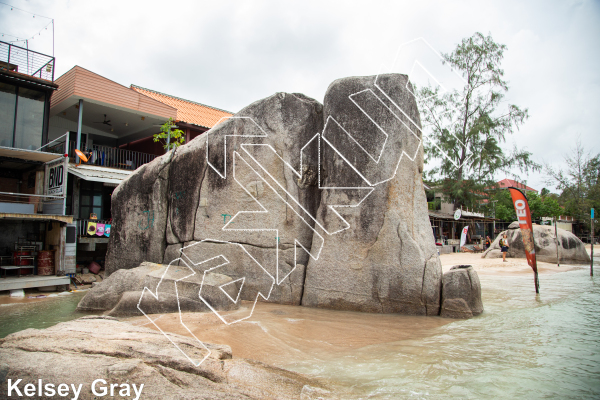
<point x="506" y="183"/>
<point x="36" y="235"/>
<point x="115" y="124"/>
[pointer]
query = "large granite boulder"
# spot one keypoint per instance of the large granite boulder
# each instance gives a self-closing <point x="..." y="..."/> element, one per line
<point x="296" y="202"/>
<point x="91" y="348"/>
<point x="186" y="203"/>
<point x="157" y="289"/>
<point x="461" y="293"/>
<point x="386" y="261"/>
<point x="571" y="249"/>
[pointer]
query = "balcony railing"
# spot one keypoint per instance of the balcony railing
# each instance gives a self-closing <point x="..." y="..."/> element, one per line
<point x="19" y="59"/>
<point x="112" y="157"/>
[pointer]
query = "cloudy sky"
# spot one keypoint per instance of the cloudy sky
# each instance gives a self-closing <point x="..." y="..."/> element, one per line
<point x="230" y="53"/>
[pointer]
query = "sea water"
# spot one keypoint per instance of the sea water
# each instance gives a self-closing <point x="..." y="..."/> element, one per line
<point x="523" y="346"/>
<point x="19" y="314"/>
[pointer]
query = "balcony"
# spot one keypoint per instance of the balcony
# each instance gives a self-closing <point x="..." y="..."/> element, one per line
<point x="112" y="157"/>
<point x="104" y="156"/>
<point x="17" y="60"/>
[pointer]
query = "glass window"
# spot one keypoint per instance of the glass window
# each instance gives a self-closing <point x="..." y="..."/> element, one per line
<point x="91" y="199"/>
<point x="8" y="97"/>
<point x="30" y="119"/>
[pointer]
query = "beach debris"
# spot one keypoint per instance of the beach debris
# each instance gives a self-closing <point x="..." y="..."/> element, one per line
<point x="17" y="293"/>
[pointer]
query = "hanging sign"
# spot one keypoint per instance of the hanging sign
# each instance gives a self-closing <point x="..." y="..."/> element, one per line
<point x="91" y="228"/>
<point x="100" y="229"/>
<point x="55" y="178"/>
<point x="457" y="214"/>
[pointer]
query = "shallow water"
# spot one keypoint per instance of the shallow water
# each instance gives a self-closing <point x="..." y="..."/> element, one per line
<point x="17" y="314"/>
<point x="522" y="346"/>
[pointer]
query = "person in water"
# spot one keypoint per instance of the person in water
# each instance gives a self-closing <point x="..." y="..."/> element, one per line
<point x="504" y="247"/>
<point x="488" y="242"/>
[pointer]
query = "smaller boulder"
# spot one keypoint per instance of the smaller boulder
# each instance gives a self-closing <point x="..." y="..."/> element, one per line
<point x="461" y="293"/>
<point x="159" y="289"/>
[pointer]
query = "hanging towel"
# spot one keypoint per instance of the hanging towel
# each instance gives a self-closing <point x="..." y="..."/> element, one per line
<point x="107" y="230"/>
<point x="100" y="229"/>
<point x="91" y="228"/>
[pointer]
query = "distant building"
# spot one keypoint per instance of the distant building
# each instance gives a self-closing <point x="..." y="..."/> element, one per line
<point x="506" y="183"/>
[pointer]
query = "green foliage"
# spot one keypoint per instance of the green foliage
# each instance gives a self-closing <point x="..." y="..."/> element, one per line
<point x="465" y="124"/>
<point x="540" y="206"/>
<point x="579" y="183"/>
<point x="176" y="137"/>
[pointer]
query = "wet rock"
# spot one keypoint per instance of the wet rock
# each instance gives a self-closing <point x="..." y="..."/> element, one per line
<point x="91" y="348"/>
<point x="461" y="293"/>
<point x="571" y="249"/>
<point x="120" y="293"/>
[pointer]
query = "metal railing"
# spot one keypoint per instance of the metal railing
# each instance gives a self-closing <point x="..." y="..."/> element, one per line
<point x="113" y="157"/>
<point x="19" y="59"/>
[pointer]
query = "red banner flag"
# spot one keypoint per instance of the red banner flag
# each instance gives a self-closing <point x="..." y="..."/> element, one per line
<point x="524" y="218"/>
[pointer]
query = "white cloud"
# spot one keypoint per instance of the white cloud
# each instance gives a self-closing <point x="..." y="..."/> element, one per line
<point x="231" y="53"/>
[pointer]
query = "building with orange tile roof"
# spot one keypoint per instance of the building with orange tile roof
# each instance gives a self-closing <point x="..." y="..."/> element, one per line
<point x="189" y="112"/>
<point x="506" y="183"/>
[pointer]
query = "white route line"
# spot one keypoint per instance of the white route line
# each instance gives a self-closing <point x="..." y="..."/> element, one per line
<point x="156" y="296"/>
<point x="208" y="240"/>
<point x="319" y="136"/>
<point x="424" y="135"/>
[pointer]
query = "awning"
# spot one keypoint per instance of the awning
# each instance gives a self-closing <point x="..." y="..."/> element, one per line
<point x="68" y="219"/>
<point x="112" y="176"/>
<point x="30" y="155"/>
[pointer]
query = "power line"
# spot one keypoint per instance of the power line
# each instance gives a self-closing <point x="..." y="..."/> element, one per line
<point x="25" y="11"/>
<point x="39" y="33"/>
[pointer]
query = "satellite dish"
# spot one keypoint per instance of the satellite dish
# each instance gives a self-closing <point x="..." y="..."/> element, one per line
<point x="82" y="156"/>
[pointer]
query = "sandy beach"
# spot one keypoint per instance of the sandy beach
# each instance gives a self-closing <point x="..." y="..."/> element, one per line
<point x="279" y="334"/>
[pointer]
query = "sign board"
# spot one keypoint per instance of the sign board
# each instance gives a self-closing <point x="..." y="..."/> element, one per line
<point x="56" y="175"/>
<point x="457" y="214"/>
<point x="592" y="213"/>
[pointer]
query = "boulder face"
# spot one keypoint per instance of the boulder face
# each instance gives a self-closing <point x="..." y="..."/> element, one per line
<point x="386" y="260"/>
<point x="90" y="348"/>
<point x="461" y="294"/>
<point x="297" y="202"/>
<point x="571" y="249"/>
<point x="159" y="289"/>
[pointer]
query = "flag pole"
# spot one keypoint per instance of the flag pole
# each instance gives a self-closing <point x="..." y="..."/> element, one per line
<point x="557" y="244"/>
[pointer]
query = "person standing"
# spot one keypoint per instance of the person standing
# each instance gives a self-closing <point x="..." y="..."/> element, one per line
<point x="504" y="247"/>
<point x="488" y="242"/>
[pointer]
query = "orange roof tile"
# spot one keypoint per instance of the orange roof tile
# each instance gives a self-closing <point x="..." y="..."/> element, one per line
<point x="504" y="183"/>
<point x="187" y="111"/>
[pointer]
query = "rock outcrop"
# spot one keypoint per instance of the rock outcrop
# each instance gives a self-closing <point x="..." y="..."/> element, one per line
<point x="159" y="289"/>
<point x="296" y="202"/>
<point x="90" y="348"/>
<point x="461" y="293"/>
<point x="571" y="248"/>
